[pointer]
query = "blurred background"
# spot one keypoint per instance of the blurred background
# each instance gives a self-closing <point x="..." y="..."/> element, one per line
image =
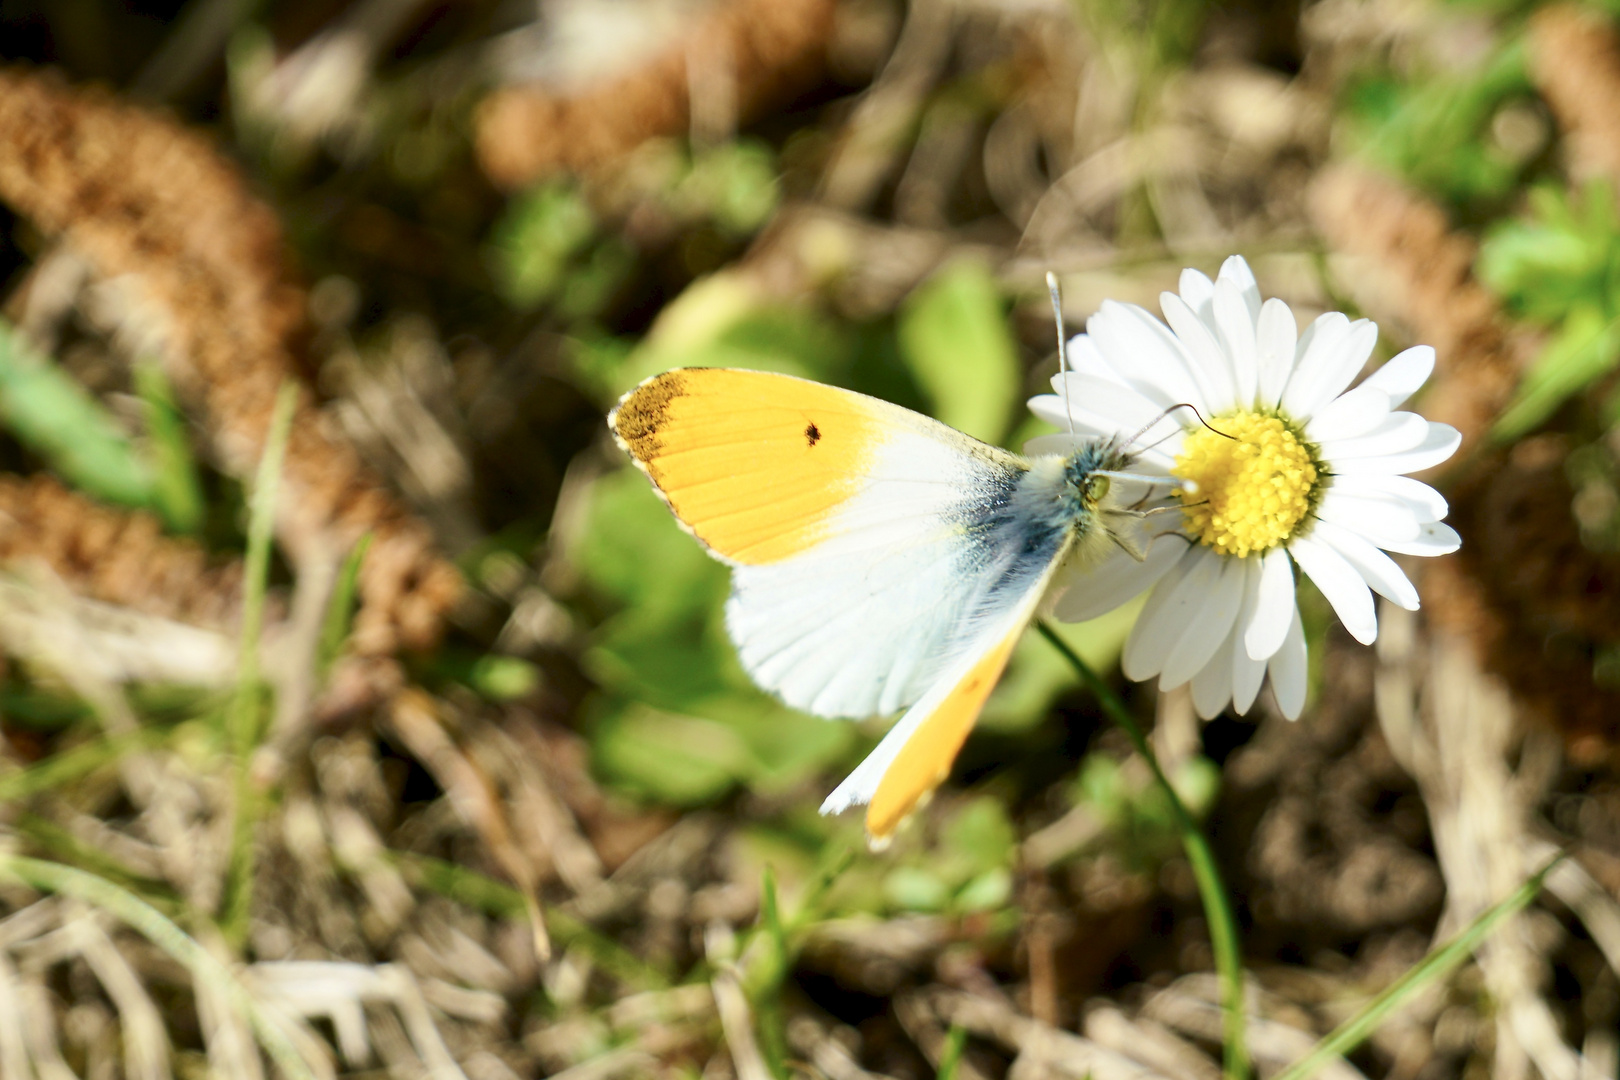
<point x="433" y="759"/>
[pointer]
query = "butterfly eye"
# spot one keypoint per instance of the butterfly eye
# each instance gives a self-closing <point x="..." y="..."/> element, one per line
<point x="1096" y="488"/>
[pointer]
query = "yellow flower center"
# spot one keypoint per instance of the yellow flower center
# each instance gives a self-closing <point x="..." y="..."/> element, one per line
<point x="1247" y="493"/>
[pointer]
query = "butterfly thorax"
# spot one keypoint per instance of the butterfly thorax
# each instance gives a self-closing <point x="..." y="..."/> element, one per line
<point x="1073" y="496"/>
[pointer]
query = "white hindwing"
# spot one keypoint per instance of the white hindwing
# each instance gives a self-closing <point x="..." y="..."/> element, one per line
<point x="936" y="547"/>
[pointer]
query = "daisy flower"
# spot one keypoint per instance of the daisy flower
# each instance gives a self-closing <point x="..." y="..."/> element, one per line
<point x="1292" y="468"/>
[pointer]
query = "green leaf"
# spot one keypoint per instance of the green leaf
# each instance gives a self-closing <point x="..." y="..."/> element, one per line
<point x="58" y="419"/>
<point x="503" y="678"/>
<point x="681" y="760"/>
<point x="724" y="321"/>
<point x="1584" y="350"/>
<point x="981" y="834"/>
<point x="1562" y="258"/>
<point x="990" y="891"/>
<point x="633" y="551"/>
<point x="954" y="337"/>
<point x="911" y="888"/>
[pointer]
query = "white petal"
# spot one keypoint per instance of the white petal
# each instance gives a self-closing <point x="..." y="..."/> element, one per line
<point x="1247" y="675"/>
<point x="1376" y="568"/>
<point x="1235" y="323"/>
<point x="1351" y="414"/>
<point x="1236" y="270"/>
<point x="1345" y="589"/>
<point x="1096" y="590"/>
<point x="1198" y="291"/>
<point x="1437" y="538"/>
<point x="1105" y="407"/>
<point x="1245" y="671"/>
<point x="1333" y="358"/>
<point x="1288" y="670"/>
<point x="1325" y="335"/>
<point x="1376" y="519"/>
<point x="1165" y="615"/>
<point x="1212" y="686"/>
<point x="1403" y="374"/>
<point x="1145" y="353"/>
<point x="1202" y="637"/>
<point x="1275" y="340"/>
<point x="1440" y="443"/>
<point x="1086" y="359"/>
<point x="1427" y="503"/>
<point x="1210" y="365"/>
<point x="1395" y="434"/>
<point x="1274" y="605"/>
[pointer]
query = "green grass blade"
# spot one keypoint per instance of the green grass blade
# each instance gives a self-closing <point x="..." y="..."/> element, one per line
<point x="67" y="849"/>
<point x="950" y="1058"/>
<point x="69" y="765"/>
<point x="176" y="492"/>
<point x="243" y="718"/>
<point x="157" y="928"/>
<point x="340" y="608"/>
<point x="1354" y="1031"/>
<point x="833" y="864"/>
<point x="58" y="419"/>
<point x="1223" y="935"/>
<point x="767" y="999"/>
<point x="772" y="916"/>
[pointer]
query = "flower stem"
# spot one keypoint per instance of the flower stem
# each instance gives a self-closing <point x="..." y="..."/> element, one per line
<point x="1223" y="936"/>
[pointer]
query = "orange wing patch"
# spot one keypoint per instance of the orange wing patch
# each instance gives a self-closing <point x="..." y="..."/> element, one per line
<point x="925" y="760"/>
<point x="754" y="464"/>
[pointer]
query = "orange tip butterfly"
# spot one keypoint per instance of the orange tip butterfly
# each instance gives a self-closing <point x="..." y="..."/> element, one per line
<point x="880" y="559"/>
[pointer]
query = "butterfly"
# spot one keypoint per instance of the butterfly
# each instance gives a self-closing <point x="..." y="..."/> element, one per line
<point x="880" y="560"/>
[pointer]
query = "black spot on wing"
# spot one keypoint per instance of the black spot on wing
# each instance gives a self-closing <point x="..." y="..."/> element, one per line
<point x="812" y="434"/>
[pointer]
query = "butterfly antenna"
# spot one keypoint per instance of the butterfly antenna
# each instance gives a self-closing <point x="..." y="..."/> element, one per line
<point x="1206" y="423"/>
<point x="1056" y="292"/>
<point x="1145" y="428"/>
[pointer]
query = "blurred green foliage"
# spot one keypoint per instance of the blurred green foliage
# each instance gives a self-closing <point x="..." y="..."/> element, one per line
<point x="971" y="869"/>
<point x="1559" y="268"/>
<point x="1441" y="131"/>
<point x="537" y="240"/>
<point x="1136" y="814"/>
<point x="953" y="335"/>
<point x="58" y="419"/>
<point x="551" y="248"/>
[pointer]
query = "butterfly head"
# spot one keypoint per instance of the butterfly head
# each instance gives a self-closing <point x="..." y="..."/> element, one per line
<point x="1086" y="481"/>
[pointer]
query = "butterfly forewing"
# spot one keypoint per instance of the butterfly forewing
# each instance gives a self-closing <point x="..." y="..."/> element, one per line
<point x="879" y="557"/>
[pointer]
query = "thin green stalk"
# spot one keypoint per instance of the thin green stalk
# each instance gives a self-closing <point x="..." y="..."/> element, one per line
<point x="243" y="720"/>
<point x="1350" y="1034"/>
<point x="950" y="1056"/>
<point x="1223" y="935"/>
<point x="143" y="917"/>
<point x="74" y="762"/>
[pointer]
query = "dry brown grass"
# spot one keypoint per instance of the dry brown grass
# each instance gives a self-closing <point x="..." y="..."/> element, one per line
<point x="135" y="194"/>
<point x="757" y="52"/>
